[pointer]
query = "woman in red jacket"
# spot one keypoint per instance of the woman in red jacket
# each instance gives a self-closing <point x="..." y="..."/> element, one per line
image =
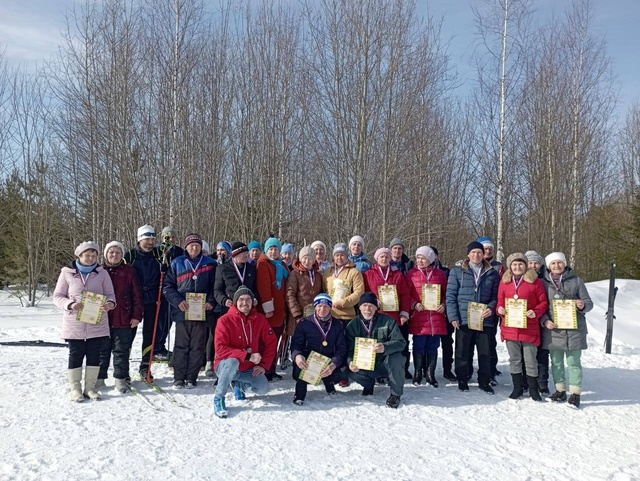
<point x="522" y="301"/>
<point x="428" y="321"/>
<point x="122" y="318"/>
<point x="388" y="284"/>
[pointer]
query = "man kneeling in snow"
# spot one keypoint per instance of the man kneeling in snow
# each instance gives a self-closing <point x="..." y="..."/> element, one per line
<point x="240" y="335"/>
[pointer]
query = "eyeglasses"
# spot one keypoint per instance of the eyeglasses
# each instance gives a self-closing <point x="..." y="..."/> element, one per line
<point x="149" y="234"/>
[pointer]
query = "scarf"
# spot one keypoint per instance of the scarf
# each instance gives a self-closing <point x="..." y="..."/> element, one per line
<point x="281" y="272"/>
<point x="85" y="269"/>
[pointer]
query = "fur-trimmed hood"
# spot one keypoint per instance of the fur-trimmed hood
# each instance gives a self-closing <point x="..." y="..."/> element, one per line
<point x="530" y="276"/>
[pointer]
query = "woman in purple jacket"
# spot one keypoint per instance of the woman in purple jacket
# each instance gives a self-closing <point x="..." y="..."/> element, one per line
<point x="85" y="339"/>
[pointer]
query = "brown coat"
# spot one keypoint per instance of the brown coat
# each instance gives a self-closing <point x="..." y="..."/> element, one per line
<point x="354" y="280"/>
<point x="300" y="292"/>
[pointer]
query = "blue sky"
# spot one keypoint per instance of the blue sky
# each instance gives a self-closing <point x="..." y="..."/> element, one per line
<point x="30" y="32"/>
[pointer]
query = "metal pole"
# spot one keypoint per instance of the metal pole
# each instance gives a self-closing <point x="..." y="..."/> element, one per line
<point x="613" y="290"/>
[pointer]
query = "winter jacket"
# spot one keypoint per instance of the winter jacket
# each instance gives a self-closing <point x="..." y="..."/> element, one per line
<point x="300" y="292"/>
<point x="147" y="266"/>
<point x="307" y="338"/>
<point x="128" y="294"/>
<point x="461" y="290"/>
<point x="69" y="289"/>
<point x="271" y="298"/>
<point x="354" y="280"/>
<point x="361" y="262"/>
<point x="385" y="330"/>
<point x="227" y="282"/>
<point x="404" y="265"/>
<point x="533" y="291"/>
<point x="427" y="323"/>
<point x="232" y="343"/>
<point x="179" y="281"/>
<point x="572" y="287"/>
<point x="373" y="279"/>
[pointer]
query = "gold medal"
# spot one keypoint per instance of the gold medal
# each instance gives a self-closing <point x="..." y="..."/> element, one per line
<point x="325" y="343"/>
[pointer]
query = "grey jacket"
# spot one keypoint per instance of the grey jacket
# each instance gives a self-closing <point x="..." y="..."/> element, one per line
<point x="572" y="287"/>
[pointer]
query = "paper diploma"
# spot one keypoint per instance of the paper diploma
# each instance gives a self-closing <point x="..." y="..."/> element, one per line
<point x="91" y="307"/>
<point x="341" y="289"/>
<point x="316" y="363"/>
<point x="565" y="315"/>
<point x="516" y="313"/>
<point x="308" y="310"/>
<point x="388" y="296"/>
<point x="431" y="296"/>
<point x="196" y="311"/>
<point x="364" y="356"/>
<point x="475" y="320"/>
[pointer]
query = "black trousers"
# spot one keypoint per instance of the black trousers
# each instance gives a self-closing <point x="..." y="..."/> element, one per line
<point x="340" y="374"/>
<point x="465" y="339"/>
<point x="493" y="354"/>
<point x="392" y="367"/>
<point x="447" y="348"/>
<point x="189" y="349"/>
<point x="79" y="349"/>
<point x="404" y="329"/>
<point x="148" y="317"/>
<point x="120" y="346"/>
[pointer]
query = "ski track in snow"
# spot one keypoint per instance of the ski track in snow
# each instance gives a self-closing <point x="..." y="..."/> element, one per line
<point x="438" y="434"/>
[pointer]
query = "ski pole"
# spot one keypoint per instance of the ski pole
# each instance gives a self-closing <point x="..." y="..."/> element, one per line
<point x="155" y="327"/>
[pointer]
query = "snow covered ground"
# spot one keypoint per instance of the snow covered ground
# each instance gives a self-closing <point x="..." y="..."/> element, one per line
<point x="440" y="434"/>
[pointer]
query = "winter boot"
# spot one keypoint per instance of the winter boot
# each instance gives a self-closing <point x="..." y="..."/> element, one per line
<point x="486" y="388"/>
<point x="90" y="379"/>
<point x="417" y="369"/>
<point x="393" y="401"/>
<point x="219" y="407"/>
<point x="534" y="393"/>
<point x="574" y="400"/>
<point x="121" y="386"/>
<point x="517" y="386"/>
<point x="463" y="385"/>
<point x="559" y="396"/>
<point x="525" y="381"/>
<point x="74" y="376"/>
<point x="431" y="361"/>
<point x="449" y="376"/>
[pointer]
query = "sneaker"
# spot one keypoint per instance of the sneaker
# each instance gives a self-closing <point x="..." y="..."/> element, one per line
<point x="210" y="373"/>
<point x="238" y="392"/>
<point x="331" y="389"/>
<point x="493" y="382"/>
<point x="190" y="384"/>
<point x="559" y="396"/>
<point x="463" y="386"/>
<point x="381" y="381"/>
<point x="393" y="401"/>
<point x="178" y="384"/>
<point x="219" y="407"/>
<point x="574" y="400"/>
<point x="367" y="391"/>
<point x="143" y="375"/>
<point x="486" y="388"/>
<point x="449" y="376"/>
<point x="298" y="401"/>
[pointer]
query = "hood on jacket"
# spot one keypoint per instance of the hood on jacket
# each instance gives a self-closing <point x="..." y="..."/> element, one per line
<point x="530" y="276"/>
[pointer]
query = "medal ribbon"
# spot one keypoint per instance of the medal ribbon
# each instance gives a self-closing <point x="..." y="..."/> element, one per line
<point x="383" y="276"/>
<point x="427" y="274"/>
<point x="248" y="338"/>
<point x="516" y="284"/>
<point x="312" y="277"/>
<point x="368" y="329"/>
<point x="244" y="270"/>
<point x="197" y="266"/>
<point x="559" y="285"/>
<point x="336" y="272"/>
<point x="324" y="334"/>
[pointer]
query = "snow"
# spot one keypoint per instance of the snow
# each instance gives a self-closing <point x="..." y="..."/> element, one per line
<point x="439" y="433"/>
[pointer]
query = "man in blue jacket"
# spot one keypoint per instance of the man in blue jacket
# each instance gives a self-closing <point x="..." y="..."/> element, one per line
<point x="474" y="281"/>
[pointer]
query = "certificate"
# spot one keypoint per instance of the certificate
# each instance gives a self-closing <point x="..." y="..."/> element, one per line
<point x="565" y="315"/>
<point x="91" y="307"/>
<point x="430" y="297"/>
<point x="196" y="310"/>
<point x="516" y="313"/>
<point x="316" y="363"/>
<point x="364" y="357"/>
<point x="388" y="297"/>
<point x="341" y="289"/>
<point x="308" y="310"/>
<point x="475" y="320"/>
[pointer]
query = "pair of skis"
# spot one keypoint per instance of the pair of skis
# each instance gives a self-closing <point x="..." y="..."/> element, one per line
<point x="157" y="389"/>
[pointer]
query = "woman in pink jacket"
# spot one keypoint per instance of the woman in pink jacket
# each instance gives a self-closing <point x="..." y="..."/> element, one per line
<point x="85" y="339"/>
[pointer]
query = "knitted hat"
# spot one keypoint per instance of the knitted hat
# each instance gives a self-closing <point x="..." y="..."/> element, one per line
<point x="427" y="252"/>
<point x="224" y="245"/>
<point x="307" y="251"/>
<point x="85" y="246"/>
<point x="286" y="248"/>
<point x="146" y="231"/>
<point x="238" y="248"/>
<point x="254" y="244"/>
<point x="206" y="247"/>
<point x="368" y="298"/>
<point x="382" y="250"/>
<point x="485" y="241"/>
<point x="357" y="238"/>
<point x="340" y="248"/>
<point x="534" y="256"/>
<point x="322" y="298"/>
<point x="435" y="251"/>
<point x="113" y="244"/>
<point x="314" y="244"/>
<point x="272" y="242"/>
<point x="169" y="231"/>
<point x="191" y="238"/>
<point x="517" y="256"/>
<point x="475" y="245"/>
<point x="241" y="291"/>
<point x="555" y="256"/>
<point x="396" y="242"/>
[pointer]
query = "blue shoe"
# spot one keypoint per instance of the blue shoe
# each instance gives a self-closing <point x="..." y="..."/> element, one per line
<point x="238" y="392"/>
<point x="219" y="408"/>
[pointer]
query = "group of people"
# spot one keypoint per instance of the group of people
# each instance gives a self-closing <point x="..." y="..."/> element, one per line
<point x="233" y="308"/>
